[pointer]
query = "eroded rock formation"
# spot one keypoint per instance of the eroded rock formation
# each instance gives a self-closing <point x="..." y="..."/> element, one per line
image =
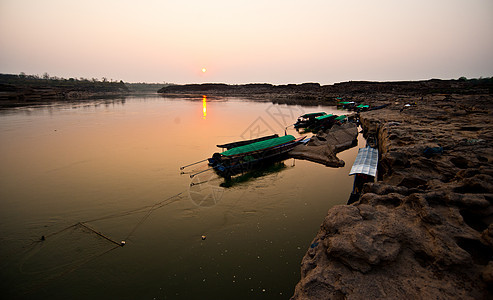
<point x="424" y="229"/>
<point x="323" y="147"/>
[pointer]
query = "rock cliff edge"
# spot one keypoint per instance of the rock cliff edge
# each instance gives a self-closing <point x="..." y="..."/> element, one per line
<point x="424" y="229"/>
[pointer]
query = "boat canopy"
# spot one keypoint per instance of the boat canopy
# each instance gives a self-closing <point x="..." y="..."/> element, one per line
<point x="340" y="118"/>
<point x="366" y="162"/>
<point x="241" y="143"/>
<point x="313" y="114"/>
<point x="346" y="102"/>
<point x="259" y="145"/>
<point x="324" y="117"/>
<point x="363" y="106"/>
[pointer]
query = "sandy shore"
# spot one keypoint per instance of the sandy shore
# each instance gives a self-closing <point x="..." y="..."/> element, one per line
<point x="425" y="229"/>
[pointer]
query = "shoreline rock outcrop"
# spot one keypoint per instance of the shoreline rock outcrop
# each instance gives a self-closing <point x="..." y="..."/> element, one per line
<point x="323" y="147"/>
<point x="424" y="229"/>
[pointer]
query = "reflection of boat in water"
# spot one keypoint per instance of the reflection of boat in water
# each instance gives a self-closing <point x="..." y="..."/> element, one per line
<point x="261" y="171"/>
<point x="248" y="157"/>
<point x="364" y="170"/>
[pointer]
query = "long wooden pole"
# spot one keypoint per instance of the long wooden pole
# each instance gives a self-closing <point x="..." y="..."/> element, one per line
<point x="181" y="168"/>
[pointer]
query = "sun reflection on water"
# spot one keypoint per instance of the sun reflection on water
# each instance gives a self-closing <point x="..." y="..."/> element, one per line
<point x="204" y="106"/>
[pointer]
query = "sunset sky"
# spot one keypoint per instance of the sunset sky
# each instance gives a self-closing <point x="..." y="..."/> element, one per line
<point x="282" y="41"/>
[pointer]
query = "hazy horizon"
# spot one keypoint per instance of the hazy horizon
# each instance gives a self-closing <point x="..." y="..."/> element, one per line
<point x="275" y="42"/>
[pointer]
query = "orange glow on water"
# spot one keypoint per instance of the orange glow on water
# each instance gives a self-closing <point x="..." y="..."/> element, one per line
<point x="204" y="106"/>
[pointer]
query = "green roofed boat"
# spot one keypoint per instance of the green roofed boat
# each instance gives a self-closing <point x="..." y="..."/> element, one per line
<point x="324" y="122"/>
<point x="247" y="157"/>
<point x="308" y="119"/>
<point x="324" y="117"/>
<point x="246" y="142"/>
<point x="346" y="104"/>
<point x="257" y="146"/>
<point x="318" y="121"/>
<point x="362" y="107"/>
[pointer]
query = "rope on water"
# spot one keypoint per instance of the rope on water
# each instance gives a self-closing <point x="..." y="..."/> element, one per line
<point x="133" y="211"/>
<point x="101" y="235"/>
<point x="151" y="210"/>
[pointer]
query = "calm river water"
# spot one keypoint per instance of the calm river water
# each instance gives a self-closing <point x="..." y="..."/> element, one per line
<point x="112" y="167"/>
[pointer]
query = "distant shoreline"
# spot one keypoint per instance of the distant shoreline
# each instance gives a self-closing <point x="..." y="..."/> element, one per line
<point x="314" y="93"/>
<point x="26" y="90"/>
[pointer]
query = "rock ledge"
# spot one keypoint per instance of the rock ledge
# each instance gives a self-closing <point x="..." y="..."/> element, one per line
<point x="424" y="229"/>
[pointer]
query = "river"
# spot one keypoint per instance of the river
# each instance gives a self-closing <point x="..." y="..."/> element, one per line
<point x="86" y="176"/>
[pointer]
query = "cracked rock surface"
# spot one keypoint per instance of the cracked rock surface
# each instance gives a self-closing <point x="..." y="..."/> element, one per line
<point x="424" y="229"/>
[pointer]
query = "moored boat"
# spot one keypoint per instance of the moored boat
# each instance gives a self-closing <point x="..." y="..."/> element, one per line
<point x="308" y="119"/>
<point x="346" y="104"/>
<point x="323" y="122"/>
<point x="246" y="142"/>
<point x="341" y="119"/>
<point x="247" y="157"/>
<point x="361" y="107"/>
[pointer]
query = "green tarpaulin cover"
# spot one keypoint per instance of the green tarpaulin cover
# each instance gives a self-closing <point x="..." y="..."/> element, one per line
<point x="362" y="106"/>
<point x="324" y="117"/>
<point x="259" y="145"/>
<point x="339" y="118"/>
<point x="313" y="114"/>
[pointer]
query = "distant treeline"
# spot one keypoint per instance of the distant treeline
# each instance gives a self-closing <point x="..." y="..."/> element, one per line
<point x="21" y="90"/>
<point x="74" y="84"/>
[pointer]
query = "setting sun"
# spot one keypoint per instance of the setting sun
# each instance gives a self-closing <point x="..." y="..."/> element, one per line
<point x="204" y="70"/>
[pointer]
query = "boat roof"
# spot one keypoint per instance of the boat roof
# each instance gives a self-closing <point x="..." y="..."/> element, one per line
<point x="324" y="117"/>
<point x="341" y="117"/>
<point x="366" y="162"/>
<point x="346" y="102"/>
<point x="246" y="142"/>
<point x="363" y="106"/>
<point x="259" y="145"/>
<point x="313" y="114"/>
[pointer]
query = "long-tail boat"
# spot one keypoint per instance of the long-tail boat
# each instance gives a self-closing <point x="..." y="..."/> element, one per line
<point x="244" y="158"/>
<point x="246" y="142"/>
<point x="307" y="119"/>
<point x="346" y="104"/>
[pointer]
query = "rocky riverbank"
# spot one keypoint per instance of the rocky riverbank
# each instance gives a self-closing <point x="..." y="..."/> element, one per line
<point x="316" y="94"/>
<point x="424" y="229"/>
<point x="324" y="146"/>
